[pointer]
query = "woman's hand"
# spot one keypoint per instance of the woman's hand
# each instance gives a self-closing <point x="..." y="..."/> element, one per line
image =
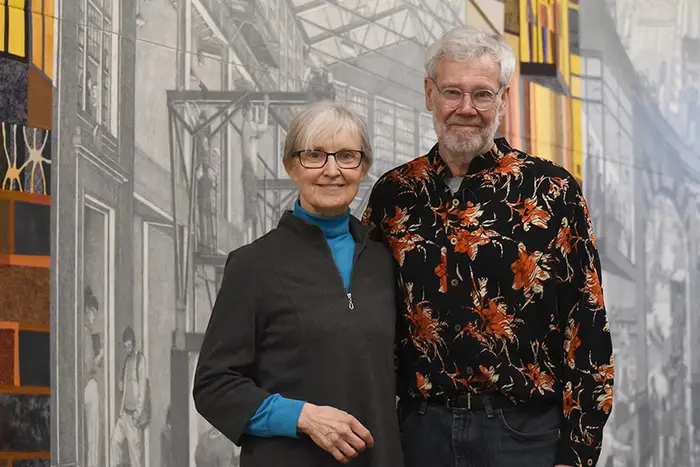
<point x="335" y="431"/>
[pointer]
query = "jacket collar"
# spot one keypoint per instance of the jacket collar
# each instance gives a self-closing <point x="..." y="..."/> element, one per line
<point x="481" y="163"/>
<point x="293" y="223"/>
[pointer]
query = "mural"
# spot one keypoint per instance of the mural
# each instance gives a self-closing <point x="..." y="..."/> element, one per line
<point x="26" y="72"/>
<point x="170" y="118"/>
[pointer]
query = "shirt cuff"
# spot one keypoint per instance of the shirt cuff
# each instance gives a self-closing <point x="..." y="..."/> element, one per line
<point x="285" y="416"/>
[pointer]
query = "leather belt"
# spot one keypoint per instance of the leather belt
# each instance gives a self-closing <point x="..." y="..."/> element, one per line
<point x="469" y="401"/>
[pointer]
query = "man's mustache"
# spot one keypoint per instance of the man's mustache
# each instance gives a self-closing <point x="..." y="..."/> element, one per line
<point x="478" y="122"/>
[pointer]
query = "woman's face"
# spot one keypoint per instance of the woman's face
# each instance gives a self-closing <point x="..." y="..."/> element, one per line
<point x="329" y="190"/>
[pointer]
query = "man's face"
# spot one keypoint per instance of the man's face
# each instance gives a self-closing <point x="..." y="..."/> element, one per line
<point x="129" y="346"/>
<point x="464" y="129"/>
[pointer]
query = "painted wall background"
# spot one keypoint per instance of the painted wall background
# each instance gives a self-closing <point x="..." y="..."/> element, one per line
<point x="159" y="126"/>
<point x="26" y="73"/>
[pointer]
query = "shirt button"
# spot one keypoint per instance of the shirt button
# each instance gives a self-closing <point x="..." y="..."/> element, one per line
<point x="455" y="202"/>
<point x="454" y="282"/>
<point x="458" y="327"/>
<point x="453" y="240"/>
<point x="470" y="371"/>
<point x="590" y="461"/>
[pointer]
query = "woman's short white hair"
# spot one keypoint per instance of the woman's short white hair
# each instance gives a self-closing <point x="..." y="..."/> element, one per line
<point x="467" y="43"/>
<point x="323" y="120"/>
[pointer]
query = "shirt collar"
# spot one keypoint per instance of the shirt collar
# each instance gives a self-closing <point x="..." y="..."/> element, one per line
<point x="482" y="163"/>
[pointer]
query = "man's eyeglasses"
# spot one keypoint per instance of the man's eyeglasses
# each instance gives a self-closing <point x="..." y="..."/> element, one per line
<point x="482" y="99"/>
<point x="315" y="158"/>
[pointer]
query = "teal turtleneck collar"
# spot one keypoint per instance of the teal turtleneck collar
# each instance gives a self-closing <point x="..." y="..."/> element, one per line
<point x="336" y="230"/>
<point x="332" y="226"/>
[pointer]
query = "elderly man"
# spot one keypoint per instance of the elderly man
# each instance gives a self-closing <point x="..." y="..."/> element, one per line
<point x="504" y="351"/>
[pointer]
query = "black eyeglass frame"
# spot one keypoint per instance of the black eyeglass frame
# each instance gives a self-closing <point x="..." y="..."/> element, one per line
<point x="328" y="154"/>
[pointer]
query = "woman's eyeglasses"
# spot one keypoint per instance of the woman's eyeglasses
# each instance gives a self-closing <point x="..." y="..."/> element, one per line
<point x="315" y="158"/>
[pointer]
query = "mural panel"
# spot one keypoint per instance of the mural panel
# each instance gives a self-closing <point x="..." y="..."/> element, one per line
<point x="172" y="116"/>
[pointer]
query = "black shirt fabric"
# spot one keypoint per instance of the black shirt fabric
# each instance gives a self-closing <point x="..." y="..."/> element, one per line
<point x="282" y="323"/>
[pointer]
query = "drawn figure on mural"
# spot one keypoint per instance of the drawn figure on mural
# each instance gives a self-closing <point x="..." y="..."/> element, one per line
<point x="93" y="356"/>
<point x="251" y="132"/>
<point x="167" y="459"/>
<point x="135" y="405"/>
<point x="214" y="450"/>
<point x="206" y="189"/>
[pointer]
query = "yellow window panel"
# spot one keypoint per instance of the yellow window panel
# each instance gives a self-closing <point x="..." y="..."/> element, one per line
<point x="16" y="44"/>
<point x="37" y="40"/>
<point x="48" y="44"/>
<point x="17" y="4"/>
<point x="2" y="26"/>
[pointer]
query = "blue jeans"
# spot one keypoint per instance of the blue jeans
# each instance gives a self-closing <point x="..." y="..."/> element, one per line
<point x="510" y="437"/>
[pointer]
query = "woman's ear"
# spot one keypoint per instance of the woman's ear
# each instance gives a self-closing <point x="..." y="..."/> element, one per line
<point x="289" y="166"/>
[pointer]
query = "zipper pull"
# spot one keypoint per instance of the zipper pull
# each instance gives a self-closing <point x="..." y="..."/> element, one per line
<point x="351" y="304"/>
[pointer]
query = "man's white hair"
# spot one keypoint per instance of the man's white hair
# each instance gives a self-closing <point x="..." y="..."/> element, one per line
<point x="466" y="44"/>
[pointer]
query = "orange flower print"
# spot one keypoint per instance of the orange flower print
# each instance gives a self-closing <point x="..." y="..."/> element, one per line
<point x="605" y="400"/>
<point x="530" y="270"/>
<point x="423" y="384"/>
<point x="469" y="217"/>
<point x="594" y="290"/>
<point x="542" y="381"/>
<point x="397" y="224"/>
<point x="571" y="342"/>
<point x="441" y="270"/>
<point x="570" y="404"/>
<point x="557" y="186"/>
<point x="468" y="242"/>
<point x="507" y="167"/>
<point x="531" y="214"/>
<point x="495" y="322"/>
<point x="605" y="373"/>
<point x="418" y="169"/>
<point x="564" y="239"/>
<point x="424" y="328"/>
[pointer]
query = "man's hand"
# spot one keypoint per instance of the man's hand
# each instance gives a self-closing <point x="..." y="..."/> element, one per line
<point x="335" y="431"/>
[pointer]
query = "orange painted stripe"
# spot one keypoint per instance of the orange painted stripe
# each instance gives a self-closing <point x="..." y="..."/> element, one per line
<point x="26" y="197"/>
<point x="31" y="261"/>
<point x="38" y="327"/>
<point x="24" y="455"/>
<point x="14" y="327"/>
<point x="26" y="390"/>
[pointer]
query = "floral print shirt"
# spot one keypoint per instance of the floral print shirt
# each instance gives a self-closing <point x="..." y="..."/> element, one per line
<point x="500" y="285"/>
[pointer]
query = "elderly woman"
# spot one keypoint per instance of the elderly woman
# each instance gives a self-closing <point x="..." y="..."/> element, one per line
<point x="297" y="363"/>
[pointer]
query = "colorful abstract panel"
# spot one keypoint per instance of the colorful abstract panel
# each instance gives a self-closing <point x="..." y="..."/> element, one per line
<point x="25" y="423"/>
<point x="544" y="42"/>
<point x="34" y="359"/>
<point x="25" y="296"/>
<point x="25" y="158"/>
<point x="32" y="229"/>
<point x="39" y="105"/>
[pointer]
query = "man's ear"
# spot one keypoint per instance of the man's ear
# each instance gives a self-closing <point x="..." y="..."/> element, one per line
<point x="428" y="94"/>
<point x="504" y="101"/>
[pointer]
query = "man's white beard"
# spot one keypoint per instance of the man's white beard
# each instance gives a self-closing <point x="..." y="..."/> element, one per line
<point x="463" y="143"/>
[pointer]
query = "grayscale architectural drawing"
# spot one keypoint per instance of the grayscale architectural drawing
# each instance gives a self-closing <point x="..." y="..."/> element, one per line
<point x="171" y="116"/>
